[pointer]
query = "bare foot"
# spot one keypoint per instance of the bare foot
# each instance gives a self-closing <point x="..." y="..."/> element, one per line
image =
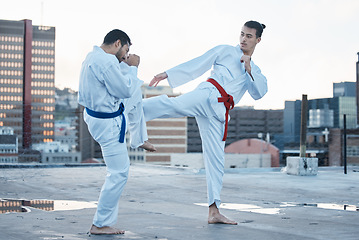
<point x="214" y="216"/>
<point x="219" y="218"/>
<point x="148" y="146"/>
<point x="105" y="230"/>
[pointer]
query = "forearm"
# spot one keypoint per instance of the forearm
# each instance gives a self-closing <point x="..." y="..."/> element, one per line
<point x="122" y="82"/>
<point x="257" y="85"/>
<point x="192" y="69"/>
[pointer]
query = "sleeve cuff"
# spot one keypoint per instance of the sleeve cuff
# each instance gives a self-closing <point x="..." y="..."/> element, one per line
<point x="134" y="70"/>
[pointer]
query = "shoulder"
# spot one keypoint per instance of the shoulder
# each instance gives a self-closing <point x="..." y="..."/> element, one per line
<point x="224" y="47"/>
<point x="102" y="59"/>
<point x="225" y="50"/>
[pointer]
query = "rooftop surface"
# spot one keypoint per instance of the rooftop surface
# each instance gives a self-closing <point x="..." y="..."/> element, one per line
<point x="171" y="203"/>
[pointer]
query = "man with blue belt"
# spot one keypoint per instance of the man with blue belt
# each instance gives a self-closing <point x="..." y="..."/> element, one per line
<point x="111" y="94"/>
<point x="233" y="74"/>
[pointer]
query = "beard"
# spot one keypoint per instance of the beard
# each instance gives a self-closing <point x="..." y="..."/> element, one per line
<point x="119" y="57"/>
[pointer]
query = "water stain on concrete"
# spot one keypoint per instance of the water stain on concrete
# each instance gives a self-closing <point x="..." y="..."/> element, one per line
<point x="277" y="210"/>
<point x="20" y="205"/>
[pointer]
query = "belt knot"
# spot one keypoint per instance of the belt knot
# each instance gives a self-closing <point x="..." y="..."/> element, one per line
<point x="227" y="101"/>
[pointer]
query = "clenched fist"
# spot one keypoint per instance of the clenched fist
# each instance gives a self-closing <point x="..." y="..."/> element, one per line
<point x="133" y="60"/>
<point x="247" y="63"/>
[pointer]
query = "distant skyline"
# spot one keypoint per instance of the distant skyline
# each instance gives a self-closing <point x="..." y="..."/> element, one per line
<point x="307" y="45"/>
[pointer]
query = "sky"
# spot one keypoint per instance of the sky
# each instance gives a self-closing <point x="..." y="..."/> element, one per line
<point x="307" y="45"/>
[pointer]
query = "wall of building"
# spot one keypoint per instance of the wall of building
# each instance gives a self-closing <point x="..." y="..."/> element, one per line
<point x="168" y="135"/>
<point x="61" y="157"/>
<point x="8" y="145"/>
<point x="11" y="75"/>
<point x="244" y="123"/>
<point x="291" y="119"/>
<point x="43" y="84"/>
<point x="9" y="158"/>
<point x="336" y="147"/>
<point x="86" y="144"/>
<point x="255" y="146"/>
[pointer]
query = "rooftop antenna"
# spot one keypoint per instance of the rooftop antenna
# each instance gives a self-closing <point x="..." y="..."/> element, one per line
<point x="42" y="13"/>
<point x="357" y="86"/>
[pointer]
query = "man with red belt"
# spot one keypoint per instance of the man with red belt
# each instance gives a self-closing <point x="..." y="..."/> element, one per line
<point x="233" y="74"/>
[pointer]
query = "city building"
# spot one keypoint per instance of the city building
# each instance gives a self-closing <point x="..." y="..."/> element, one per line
<point x="65" y="99"/>
<point x="339" y="106"/>
<point x="27" y="75"/>
<point x="324" y="115"/>
<point x="89" y="148"/>
<point x="291" y="121"/>
<point x="66" y="117"/>
<point x="169" y="135"/>
<point x="56" y="152"/>
<point x="255" y="147"/>
<point x="66" y="132"/>
<point x="336" y="147"/>
<point x="232" y="160"/>
<point x="344" y="89"/>
<point x="245" y="123"/>
<point x="8" y="145"/>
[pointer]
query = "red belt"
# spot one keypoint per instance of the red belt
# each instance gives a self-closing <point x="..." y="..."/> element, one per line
<point x="227" y="100"/>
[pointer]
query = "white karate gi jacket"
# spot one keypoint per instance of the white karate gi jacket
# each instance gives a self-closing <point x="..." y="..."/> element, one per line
<point x="227" y="70"/>
<point x="105" y="83"/>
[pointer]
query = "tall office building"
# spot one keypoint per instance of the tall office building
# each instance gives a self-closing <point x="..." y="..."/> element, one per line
<point x="291" y="121"/>
<point x="349" y="90"/>
<point x="88" y="147"/>
<point x="27" y="75"/>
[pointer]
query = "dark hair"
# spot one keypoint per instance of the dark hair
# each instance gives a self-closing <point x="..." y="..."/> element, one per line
<point x="257" y="26"/>
<point x="115" y="35"/>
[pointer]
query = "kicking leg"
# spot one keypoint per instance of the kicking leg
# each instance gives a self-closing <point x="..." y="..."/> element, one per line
<point x="137" y="123"/>
<point x="187" y="105"/>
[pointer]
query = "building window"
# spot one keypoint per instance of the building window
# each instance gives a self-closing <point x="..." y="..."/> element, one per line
<point x="353" y="151"/>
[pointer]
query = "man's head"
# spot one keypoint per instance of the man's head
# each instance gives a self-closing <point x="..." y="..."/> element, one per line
<point x="250" y="35"/>
<point x="117" y="43"/>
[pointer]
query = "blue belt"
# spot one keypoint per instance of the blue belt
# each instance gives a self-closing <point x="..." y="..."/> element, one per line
<point x="112" y="115"/>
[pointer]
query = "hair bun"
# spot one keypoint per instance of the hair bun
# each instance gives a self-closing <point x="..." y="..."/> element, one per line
<point x="263" y="26"/>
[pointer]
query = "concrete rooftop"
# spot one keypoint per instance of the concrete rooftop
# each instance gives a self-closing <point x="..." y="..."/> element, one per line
<point x="169" y="203"/>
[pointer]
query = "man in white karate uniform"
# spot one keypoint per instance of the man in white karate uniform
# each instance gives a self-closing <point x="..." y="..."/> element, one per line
<point x="233" y="74"/>
<point x="111" y="94"/>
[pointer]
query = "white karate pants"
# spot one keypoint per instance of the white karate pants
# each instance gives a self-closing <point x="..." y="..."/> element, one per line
<point x="106" y="132"/>
<point x="196" y="104"/>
